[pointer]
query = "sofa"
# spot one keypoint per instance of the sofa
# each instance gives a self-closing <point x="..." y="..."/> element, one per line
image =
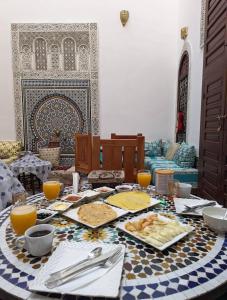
<point x="177" y="157"/>
<point x="10" y="151"/>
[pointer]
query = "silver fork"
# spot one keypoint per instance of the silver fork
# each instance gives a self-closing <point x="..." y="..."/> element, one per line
<point x="192" y="208"/>
<point x="104" y="264"/>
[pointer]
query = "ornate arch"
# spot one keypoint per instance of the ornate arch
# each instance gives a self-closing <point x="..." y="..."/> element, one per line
<point x="40" y="54"/>
<point x="182" y="97"/>
<point x="69" y="51"/>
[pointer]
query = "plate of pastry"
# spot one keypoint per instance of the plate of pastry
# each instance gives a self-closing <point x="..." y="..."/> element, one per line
<point x="132" y="201"/>
<point x="156" y="230"/>
<point x="94" y="214"/>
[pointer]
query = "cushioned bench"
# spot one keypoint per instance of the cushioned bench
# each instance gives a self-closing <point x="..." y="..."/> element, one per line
<point x="181" y="164"/>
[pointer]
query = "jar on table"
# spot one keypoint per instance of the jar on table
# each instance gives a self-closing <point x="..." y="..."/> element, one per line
<point x="162" y="177"/>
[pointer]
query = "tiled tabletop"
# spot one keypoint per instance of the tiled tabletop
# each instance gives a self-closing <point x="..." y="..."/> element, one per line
<point x="195" y="265"/>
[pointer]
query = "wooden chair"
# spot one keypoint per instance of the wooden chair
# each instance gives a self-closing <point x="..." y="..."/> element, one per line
<point x="141" y="140"/>
<point x="83" y="153"/>
<point x="118" y="154"/>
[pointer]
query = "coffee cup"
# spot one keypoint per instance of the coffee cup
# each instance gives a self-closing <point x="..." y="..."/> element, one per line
<point x="37" y="240"/>
<point x="184" y="190"/>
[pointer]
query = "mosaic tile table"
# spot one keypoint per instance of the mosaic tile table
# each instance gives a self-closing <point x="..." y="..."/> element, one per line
<point x="195" y="265"/>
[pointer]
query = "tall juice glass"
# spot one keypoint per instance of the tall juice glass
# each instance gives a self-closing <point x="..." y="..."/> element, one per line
<point x="144" y="178"/>
<point x="51" y="189"/>
<point x="22" y="217"/>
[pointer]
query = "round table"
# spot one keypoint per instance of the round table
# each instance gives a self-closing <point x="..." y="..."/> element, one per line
<point x="194" y="266"/>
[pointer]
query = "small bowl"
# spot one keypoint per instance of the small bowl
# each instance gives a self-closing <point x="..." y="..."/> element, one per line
<point x="48" y="218"/>
<point x="104" y="190"/>
<point x="75" y="198"/>
<point x="213" y="217"/>
<point x="123" y="188"/>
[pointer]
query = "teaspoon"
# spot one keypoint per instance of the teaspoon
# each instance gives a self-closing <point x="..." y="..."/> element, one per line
<point x="92" y="254"/>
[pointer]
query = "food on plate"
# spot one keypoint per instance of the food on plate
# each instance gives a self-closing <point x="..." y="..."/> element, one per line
<point x="61" y="206"/>
<point x="96" y="213"/>
<point x="43" y="215"/>
<point x="134" y="200"/>
<point x="72" y="198"/>
<point x="103" y="189"/>
<point x="156" y="231"/>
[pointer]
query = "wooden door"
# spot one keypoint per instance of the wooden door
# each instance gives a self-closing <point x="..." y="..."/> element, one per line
<point x="213" y="148"/>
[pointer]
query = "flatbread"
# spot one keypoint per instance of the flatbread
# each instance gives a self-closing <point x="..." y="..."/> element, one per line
<point x="96" y="213"/>
<point x="134" y="200"/>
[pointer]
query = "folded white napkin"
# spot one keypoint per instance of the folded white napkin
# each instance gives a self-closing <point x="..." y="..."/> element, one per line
<point x="98" y="281"/>
<point x="181" y="202"/>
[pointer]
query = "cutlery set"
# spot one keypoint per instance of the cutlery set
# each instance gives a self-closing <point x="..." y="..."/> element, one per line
<point x="193" y="208"/>
<point x="106" y="260"/>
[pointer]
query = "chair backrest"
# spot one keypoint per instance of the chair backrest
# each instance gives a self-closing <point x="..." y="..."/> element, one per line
<point x="119" y="136"/>
<point x="83" y="153"/>
<point x="118" y="154"/>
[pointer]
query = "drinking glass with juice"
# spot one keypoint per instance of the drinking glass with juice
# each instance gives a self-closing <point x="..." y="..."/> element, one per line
<point x="51" y="189"/>
<point x="22" y="217"/>
<point x="144" y="178"/>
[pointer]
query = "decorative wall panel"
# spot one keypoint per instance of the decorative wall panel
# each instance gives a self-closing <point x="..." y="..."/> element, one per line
<point x="55" y="71"/>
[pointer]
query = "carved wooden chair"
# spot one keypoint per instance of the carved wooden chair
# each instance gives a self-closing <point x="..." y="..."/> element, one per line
<point x="118" y="154"/>
<point x="119" y="136"/>
<point x="83" y="153"/>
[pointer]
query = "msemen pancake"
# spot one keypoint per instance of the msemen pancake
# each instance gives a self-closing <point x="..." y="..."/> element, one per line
<point x="130" y="200"/>
<point x="96" y="213"/>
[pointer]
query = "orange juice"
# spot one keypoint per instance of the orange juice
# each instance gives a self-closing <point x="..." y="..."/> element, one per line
<point x="22" y="217"/>
<point x="51" y="189"/>
<point x="144" y="178"/>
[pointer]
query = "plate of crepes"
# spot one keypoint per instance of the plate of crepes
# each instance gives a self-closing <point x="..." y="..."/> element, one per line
<point x="94" y="214"/>
<point x="132" y="201"/>
<point x="156" y="230"/>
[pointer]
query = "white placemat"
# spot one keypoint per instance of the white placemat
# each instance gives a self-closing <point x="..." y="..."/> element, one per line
<point x="99" y="281"/>
<point x="180" y="202"/>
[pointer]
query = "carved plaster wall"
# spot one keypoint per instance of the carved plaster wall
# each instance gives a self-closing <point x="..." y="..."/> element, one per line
<point x="202" y="23"/>
<point x="55" y="68"/>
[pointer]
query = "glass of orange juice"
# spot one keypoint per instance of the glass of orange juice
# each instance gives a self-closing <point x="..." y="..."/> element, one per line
<point x="51" y="189"/>
<point x="22" y="216"/>
<point x="144" y="178"/>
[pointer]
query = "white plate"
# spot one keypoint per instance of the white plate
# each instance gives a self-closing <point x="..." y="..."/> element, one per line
<point x="153" y="202"/>
<point x="107" y="191"/>
<point x="90" y="194"/>
<point x="43" y="221"/>
<point x="55" y="204"/>
<point x="72" y="214"/>
<point x="121" y="225"/>
<point x="180" y="202"/>
<point x="100" y="282"/>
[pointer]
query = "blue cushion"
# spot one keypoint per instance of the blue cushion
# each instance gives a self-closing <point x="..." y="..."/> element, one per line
<point x="153" y="149"/>
<point x="185" y="156"/>
<point x="165" y="146"/>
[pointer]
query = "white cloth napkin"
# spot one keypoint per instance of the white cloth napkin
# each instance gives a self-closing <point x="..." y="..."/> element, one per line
<point x="180" y="202"/>
<point x="76" y="179"/>
<point x="98" y="281"/>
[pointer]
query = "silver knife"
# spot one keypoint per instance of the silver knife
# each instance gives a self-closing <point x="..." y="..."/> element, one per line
<point x="83" y="266"/>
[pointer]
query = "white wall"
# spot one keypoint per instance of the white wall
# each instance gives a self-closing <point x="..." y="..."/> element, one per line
<point x="138" y="63"/>
<point x="190" y="15"/>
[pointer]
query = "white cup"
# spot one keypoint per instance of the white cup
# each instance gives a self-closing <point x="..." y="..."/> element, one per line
<point x="184" y="190"/>
<point x="37" y="245"/>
